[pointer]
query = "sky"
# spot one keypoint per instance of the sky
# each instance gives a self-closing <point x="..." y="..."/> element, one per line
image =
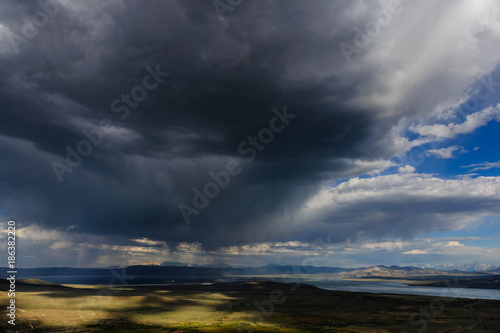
<point x="332" y="133"/>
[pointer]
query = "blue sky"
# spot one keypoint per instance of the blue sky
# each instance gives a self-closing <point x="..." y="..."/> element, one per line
<point x="477" y="146"/>
<point x="481" y="147"/>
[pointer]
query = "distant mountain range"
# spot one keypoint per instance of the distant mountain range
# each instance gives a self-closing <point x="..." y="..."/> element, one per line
<point x="181" y="264"/>
<point x="176" y="271"/>
<point x="468" y="267"/>
<point x="391" y="271"/>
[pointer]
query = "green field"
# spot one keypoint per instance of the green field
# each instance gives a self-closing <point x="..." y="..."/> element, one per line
<point x="231" y="306"/>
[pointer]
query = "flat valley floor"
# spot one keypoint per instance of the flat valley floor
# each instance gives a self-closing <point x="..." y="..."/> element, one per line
<point x="238" y="307"/>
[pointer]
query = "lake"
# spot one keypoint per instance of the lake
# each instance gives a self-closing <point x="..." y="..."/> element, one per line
<point x="392" y="287"/>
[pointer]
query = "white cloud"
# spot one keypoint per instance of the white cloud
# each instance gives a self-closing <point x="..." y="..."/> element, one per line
<point x="384" y="245"/>
<point x="415" y="252"/>
<point x="407" y="169"/>
<point x="73" y="249"/>
<point x="149" y="242"/>
<point x="446" y="152"/>
<point x="418" y="67"/>
<point x="454" y="244"/>
<point x="401" y="205"/>
<point x="355" y="167"/>
<point x="471" y="123"/>
<point x="415" y="72"/>
<point x="415" y="185"/>
<point x="52" y="247"/>
<point x="482" y="166"/>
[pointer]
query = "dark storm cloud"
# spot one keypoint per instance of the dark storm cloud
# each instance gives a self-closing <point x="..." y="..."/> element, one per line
<point x="226" y="74"/>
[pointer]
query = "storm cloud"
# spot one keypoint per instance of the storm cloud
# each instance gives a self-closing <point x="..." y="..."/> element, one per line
<point x="226" y="73"/>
